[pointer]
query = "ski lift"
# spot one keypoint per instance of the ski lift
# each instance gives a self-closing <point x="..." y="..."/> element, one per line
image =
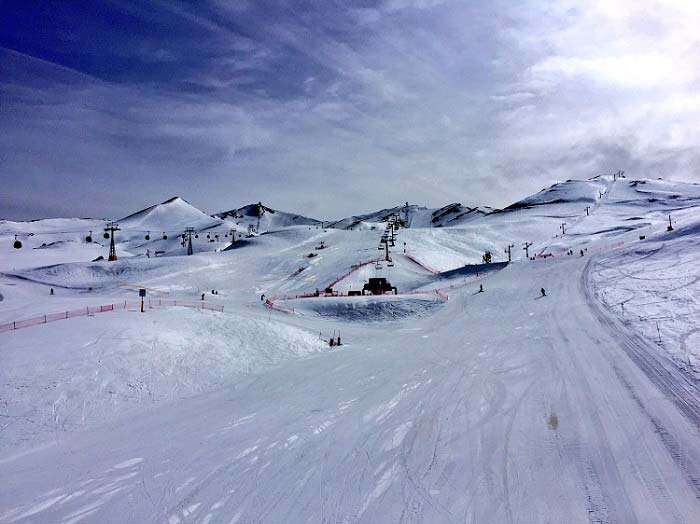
<point x="196" y="236"/>
<point x="208" y="235"/>
<point x="390" y="263"/>
<point x="88" y="238"/>
<point x="105" y="235"/>
<point x="18" y="243"/>
<point x="148" y="235"/>
<point x="165" y="237"/>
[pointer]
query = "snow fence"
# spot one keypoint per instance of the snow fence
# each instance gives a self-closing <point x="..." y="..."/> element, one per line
<point x="93" y="310"/>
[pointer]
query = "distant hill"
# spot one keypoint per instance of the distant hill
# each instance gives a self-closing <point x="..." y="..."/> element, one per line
<point x="264" y="216"/>
<point x="174" y="214"/>
<point x="416" y="216"/>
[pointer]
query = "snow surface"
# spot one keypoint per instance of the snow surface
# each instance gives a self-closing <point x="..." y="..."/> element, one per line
<point x="440" y="406"/>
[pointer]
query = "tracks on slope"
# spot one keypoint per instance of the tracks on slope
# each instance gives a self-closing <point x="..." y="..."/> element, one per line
<point x="668" y="379"/>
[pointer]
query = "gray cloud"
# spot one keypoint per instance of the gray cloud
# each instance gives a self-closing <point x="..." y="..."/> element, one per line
<point x="334" y="110"/>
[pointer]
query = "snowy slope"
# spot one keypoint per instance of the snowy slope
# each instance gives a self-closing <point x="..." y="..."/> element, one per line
<point x="569" y="192"/>
<point x="49" y="241"/>
<point x="415" y="216"/>
<point x="457" y="405"/>
<point x="410" y="419"/>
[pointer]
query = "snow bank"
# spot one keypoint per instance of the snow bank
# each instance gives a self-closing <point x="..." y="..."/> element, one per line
<point x="58" y="377"/>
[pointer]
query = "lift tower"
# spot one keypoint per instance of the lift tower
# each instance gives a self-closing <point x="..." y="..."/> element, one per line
<point x="507" y="250"/>
<point x="189" y="231"/>
<point x="110" y="229"/>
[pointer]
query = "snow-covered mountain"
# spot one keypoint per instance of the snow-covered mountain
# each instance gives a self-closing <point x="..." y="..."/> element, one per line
<point x="264" y="218"/>
<point x="173" y="215"/>
<point x="571" y="191"/>
<point x="415" y="216"/>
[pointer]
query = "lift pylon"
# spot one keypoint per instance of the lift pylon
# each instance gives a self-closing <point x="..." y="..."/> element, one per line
<point x="109" y="230"/>
<point x="188" y="234"/>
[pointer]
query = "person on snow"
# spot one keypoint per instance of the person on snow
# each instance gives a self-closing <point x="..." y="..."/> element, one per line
<point x="481" y="288"/>
<point x="544" y="293"/>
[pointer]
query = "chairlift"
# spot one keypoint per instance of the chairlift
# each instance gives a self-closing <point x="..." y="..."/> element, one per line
<point x="88" y="238"/>
<point x="148" y="235"/>
<point x="165" y="237"/>
<point x="105" y="235"/>
<point x="208" y="235"/>
<point x="390" y="263"/>
<point x="18" y="243"/>
<point x="196" y="236"/>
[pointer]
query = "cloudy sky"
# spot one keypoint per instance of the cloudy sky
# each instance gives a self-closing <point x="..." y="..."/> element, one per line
<point x="330" y="108"/>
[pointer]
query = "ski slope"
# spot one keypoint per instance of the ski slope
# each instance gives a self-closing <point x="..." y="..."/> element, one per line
<point x="493" y="406"/>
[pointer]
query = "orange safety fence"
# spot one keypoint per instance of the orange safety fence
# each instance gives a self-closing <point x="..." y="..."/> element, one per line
<point x="92" y="310"/>
<point x="421" y="264"/>
<point x="352" y="270"/>
<point x="271" y="305"/>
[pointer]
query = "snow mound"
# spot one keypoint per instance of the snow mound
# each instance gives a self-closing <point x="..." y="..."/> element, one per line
<point x="156" y="357"/>
<point x="95" y="275"/>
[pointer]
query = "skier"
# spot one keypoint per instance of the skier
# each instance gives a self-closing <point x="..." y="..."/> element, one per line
<point x="51" y="292"/>
<point x="544" y="293"/>
<point x="582" y="252"/>
<point x="202" y="296"/>
<point x="262" y="297"/>
<point x="481" y="288"/>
